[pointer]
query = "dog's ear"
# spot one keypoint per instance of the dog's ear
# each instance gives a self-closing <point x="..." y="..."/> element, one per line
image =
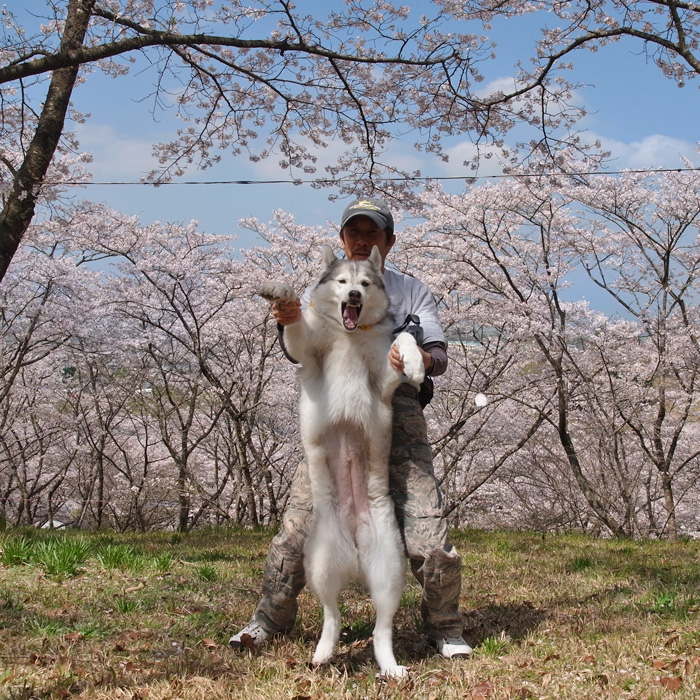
<point x="328" y="256"/>
<point x="375" y="257"/>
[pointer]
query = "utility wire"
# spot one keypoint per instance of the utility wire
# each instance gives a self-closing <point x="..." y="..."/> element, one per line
<point x="466" y="178"/>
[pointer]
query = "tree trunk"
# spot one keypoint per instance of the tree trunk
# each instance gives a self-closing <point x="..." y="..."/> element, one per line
<point x="670" y="504"/>
<point x="601" y="511"/>
<point x="20" y="204"/>
<point x="184" y="503"/>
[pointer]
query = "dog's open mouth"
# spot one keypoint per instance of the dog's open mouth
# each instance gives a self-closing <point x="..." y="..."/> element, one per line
<point x="351" y="315"/>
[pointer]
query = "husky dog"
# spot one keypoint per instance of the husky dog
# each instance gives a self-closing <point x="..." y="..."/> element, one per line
<point x="342" y="343"/>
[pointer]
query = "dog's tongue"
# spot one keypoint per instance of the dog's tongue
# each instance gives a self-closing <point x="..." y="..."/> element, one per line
<point x="350" y="317"/>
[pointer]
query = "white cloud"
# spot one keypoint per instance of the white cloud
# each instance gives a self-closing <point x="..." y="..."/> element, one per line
<point x="504" y="84"/>
<point x="653" y="151"/>
<point x="465" y="152"/>
<point x="114" y="156"/>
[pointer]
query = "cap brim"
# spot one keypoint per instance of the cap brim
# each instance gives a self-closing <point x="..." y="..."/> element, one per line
<point x="375" y="216"/>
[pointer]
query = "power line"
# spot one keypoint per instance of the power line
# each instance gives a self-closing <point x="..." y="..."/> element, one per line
<point x="466" y="178"/>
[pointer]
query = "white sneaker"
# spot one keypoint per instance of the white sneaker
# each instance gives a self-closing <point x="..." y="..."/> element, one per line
<point x="253" y="636"/>
<point x="452" y="648"/>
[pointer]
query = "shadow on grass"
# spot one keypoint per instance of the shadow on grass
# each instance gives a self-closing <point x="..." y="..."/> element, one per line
<point x="515" y="620"/>
<point x="355" y="650"/>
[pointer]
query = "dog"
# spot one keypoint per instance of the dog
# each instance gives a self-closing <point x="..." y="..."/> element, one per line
<point x="342" y="344"/>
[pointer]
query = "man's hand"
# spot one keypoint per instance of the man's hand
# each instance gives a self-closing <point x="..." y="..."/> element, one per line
<point x="286" y="312"/>
<point x="397" y="363"/>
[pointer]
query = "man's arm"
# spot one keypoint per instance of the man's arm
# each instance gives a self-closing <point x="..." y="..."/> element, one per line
<point x="286" y="312"/>
<point x="437" y="351"/>
<point x="434" y="349"/>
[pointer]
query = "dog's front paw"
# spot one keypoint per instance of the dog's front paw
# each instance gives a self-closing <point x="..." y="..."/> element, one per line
<point x="413" y="366"/>
<point x="277" y="291"/>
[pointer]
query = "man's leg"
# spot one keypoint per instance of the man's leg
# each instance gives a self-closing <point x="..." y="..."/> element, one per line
<point x="283" y="576"/>
<point x="434" y="561"/>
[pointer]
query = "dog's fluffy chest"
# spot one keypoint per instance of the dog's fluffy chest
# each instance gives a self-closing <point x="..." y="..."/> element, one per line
<point x="346" y="375"/>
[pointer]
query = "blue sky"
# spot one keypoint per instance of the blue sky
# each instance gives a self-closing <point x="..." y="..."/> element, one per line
<point x="642" y="117"/>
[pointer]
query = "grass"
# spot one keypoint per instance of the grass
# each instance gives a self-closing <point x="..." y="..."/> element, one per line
<point x="115" y="556"/>
<point x="61" y="557"/>
<point x="149" y="616"/>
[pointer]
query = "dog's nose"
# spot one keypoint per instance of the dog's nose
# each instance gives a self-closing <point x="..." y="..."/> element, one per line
<point x="354" y="296"/>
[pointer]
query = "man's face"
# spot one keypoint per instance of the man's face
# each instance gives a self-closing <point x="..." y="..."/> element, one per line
<point x="361" y="234"/>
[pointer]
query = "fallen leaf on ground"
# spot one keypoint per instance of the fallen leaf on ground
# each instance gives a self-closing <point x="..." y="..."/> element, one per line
<point x="9" y="678"/>
<point x="481" y="691"/>
<point x="672" y="640"/>
<point x="247" y="642"/>
<point x="437" y="678"/>
<point x="602" y="679"/>
<point x="671" y="682"/>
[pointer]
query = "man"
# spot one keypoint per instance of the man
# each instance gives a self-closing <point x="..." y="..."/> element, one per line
<point x="367" y="222"/>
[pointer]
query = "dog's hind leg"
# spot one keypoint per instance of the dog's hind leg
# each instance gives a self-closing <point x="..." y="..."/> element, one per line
<point x="326" y="580"/>
<point x="331" y="631"/>
<point x="384" y="574"/>
<point x="386" y="596"/>
<point x="326" y="562"/>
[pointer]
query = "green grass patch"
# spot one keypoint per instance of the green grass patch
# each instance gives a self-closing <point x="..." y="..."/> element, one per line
<point x="16" y="551"/>
<point x="163" y="561"/>
<point x="62" y="556"/>
<point x="495" y="646"/>
<point x="119" y="556"/>
<point x="43" y="627"/>
<point x="580" y="563"/>
<point x="208" y="572"/>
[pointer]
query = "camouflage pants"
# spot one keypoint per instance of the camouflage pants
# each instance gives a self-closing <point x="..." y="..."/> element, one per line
<point x="435" y="563"/>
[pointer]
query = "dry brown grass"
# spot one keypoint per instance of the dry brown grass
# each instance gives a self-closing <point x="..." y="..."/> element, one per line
<point x="564" y="617"/>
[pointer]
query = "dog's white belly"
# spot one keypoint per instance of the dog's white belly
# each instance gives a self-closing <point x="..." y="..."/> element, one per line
<point x="354" y="536"/>
<point x="347" y="454"/>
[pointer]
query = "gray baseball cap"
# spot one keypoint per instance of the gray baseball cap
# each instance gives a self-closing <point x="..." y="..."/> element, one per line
<point x="375" y="208"/>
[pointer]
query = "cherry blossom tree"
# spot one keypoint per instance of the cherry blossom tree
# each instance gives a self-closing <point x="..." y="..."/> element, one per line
<point x="178" y="290"/>
<point x="148" y="361"/>
<point x="667" y="30"/>
<point x="267" y="77"/>
<point x="472" y="443"/>
<point x="642" y="248"/>
<point x="499" y="249"/>
<point x="41" y="305"/>
<point x="101" y="397"/>
<point x="35" y="451"/>
<point x="501" y="255"/>
<point x="255" y="78"/>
